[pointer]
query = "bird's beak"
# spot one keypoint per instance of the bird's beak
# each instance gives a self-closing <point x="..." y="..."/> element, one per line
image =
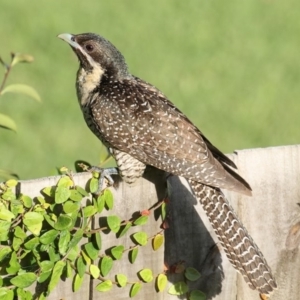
<point x="70" y="39"/>
<point x="85" y="60"/>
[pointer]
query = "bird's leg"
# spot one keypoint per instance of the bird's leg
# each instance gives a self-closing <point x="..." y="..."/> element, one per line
<point x="104" y="174"/>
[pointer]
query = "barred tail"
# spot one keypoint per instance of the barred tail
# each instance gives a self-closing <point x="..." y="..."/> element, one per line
<point x="239" y="247"/>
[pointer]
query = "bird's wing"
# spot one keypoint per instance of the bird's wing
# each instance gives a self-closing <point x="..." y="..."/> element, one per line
<point x="142" y="122"/>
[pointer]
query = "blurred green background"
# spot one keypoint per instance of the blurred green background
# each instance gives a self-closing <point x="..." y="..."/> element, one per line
<point x="232" y="67"/>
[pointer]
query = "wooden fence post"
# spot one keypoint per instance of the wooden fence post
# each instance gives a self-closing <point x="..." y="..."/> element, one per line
<point x="271" y="215"/>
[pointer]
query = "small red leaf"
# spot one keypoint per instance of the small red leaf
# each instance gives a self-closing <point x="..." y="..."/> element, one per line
<point x="167" y="200"/>
<point x="145" y="212"/>
<point x="165" y="224"/>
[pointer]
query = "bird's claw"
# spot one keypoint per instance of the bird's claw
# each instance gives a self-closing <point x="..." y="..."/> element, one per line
<point x="104" y="174"/>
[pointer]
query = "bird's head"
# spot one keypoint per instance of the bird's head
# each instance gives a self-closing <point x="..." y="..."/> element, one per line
<point x="96" y="53"/>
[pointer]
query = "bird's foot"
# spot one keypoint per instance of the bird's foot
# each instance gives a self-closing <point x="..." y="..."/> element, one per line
<point x="104" y="174"/>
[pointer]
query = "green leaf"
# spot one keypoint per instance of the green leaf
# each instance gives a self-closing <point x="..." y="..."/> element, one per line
<point x="94" y="183"/>
<point x="3" y="291"/>
<point x="94" y="270"/>
<point x="106" y="263"/>
<point x="49" y="191"/>
<point x="135" y="288"/>
<point x="191" y="274"/>
<point x="70" y="207"/>
<point x="27" y="201"/>
<point x="178" y="288"/>
<point x="197" y="295"/>
<point x="51" y="219"/>
<point x="53" y="254"/>
<point x="33" y="222"/>
<point x="73" y="253"/>
<point x="63" y="242"/>
<point x="146" y="275"/>
<point x="4" y="252"/>
<point x="114" y="223"/>
<point x="17" y="242"/>
<point x="124" y="229"/>
<point x="80" y="266"/>
<point x="24" y="253"/>
<point x="91" y="251"/>
<point x="121" y="279"/>
<point x="63" y="170"/>
<point x="141" y="238"/>
<point x="75" y="196"/>
<point x="4" y="230"/>
<point x="63" y="222"/>
<point x="104" y="286"/>
<point x="32" y="243"/>
<point x="77" y="283"/>
<point x="6" y="294"/>
<point x="5" y="214"/>
<point x="56" y="273"/>
<point x="76" y="238"/>
<point x="46" y="270"/>
<point x="96" y="239"/>
<point x="14" y="265"/>
<point x="86" y="258"/>
<point x="82" y="191"/>
<point x="117" y="251"/>
<point x="44" y="276"/>
<point x="8" y="195"/>
<point x="24" y="280"/>
<point x="62" y="194"/>
<point x="100" y="203"/>
<point x="7" y="123"/>
<point x="22" y="89"/>
<point x="48" y="237"/>
<point x="108" y="198"/>
<point x="11" y="183"/>
<point x="89" y="211"/>
<point x="32" y="218"/>
<point x="157" y="241"/>
<point x="69" y="270"/>
<point x="25" y="295"/>
<point x="65" y="181"/>
<point x="17" y="207"/>
<point x="133" y="254"/>
<point x="141" y="220"/>
<point x="163" y="211"/>
<point x="19" y="57"/>
<point x="161" y="282"/>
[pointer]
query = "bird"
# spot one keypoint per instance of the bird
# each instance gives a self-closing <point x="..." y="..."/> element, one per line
<point x="141" y="127"/>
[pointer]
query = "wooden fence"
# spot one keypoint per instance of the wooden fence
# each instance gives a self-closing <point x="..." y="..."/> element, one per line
<point x="271" y="215"/>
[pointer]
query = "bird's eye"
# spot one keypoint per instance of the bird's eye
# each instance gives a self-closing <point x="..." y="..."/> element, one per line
<point x="89" y="47"/>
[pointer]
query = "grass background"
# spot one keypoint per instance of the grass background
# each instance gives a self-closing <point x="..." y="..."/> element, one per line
<point x="232" y="67"/>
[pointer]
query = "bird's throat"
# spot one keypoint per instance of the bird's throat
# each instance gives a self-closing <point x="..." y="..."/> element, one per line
<point x="87" y="82"/>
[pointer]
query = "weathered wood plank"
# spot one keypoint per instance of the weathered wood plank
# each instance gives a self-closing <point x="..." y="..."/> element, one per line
<point x="272" y="217"/>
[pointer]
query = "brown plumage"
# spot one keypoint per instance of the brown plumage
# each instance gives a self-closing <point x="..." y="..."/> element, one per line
<point x="140" y="126"/>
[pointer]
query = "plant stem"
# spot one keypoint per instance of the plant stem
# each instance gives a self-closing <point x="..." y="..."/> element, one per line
<point x="8" y="68"/>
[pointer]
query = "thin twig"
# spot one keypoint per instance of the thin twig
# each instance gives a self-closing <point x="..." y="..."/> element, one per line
<point x="8" y="68"/>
